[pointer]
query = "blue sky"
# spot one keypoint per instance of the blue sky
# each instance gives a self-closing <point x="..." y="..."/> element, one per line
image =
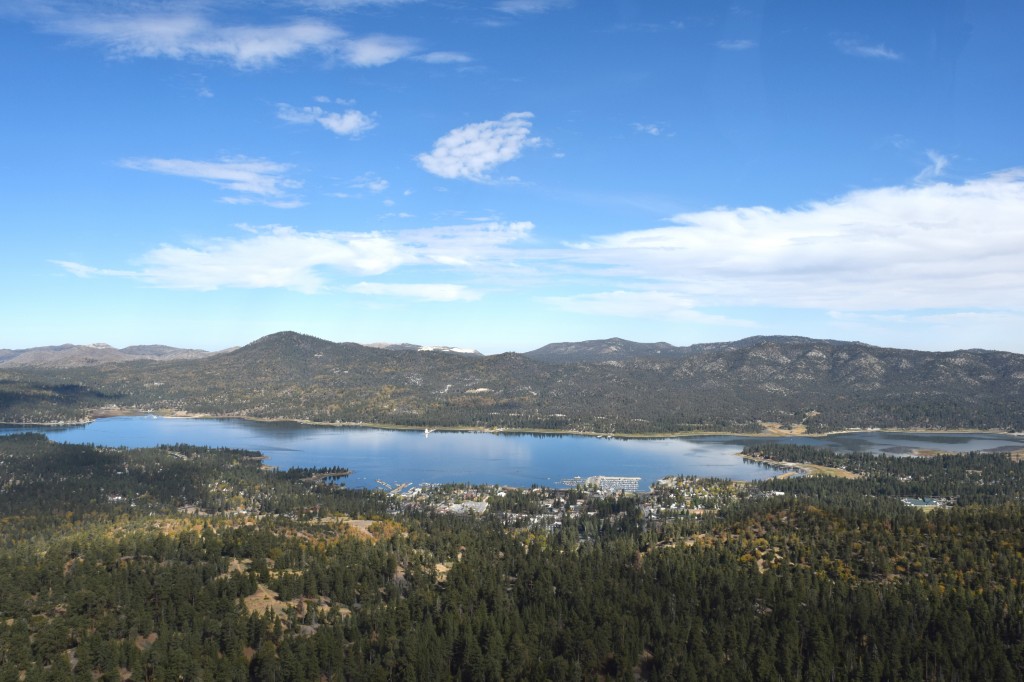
<point x="504" y="174"/>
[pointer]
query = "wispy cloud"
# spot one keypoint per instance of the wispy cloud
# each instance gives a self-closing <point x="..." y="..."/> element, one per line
<point x="350" y="4"/>
<point x="484" y="245"/>
<point x="530" y="6"/>
<point x="184" y="35"/>
<point x="935" y="168"/>
<point x="424" y="292"/>
<point x="856" y="48"/>
<point x="472" y="151"/>
<point x="250" y="178"/>
<point x="279" y="256"/>
<point x="87" y="271"/>
<point x="274" y="257"/>
<point x="736" y="44"/>
<point x="935" y="246"/>
<point x="444" y="58"/>
<point x="377" y="50"/>
<point x="187" y="33"/>
<point x="649" y="129"/>
<point x="648" y="26"/>
<point x="370" y="181"/>
<point x="640" y="303"/>
<point x="350" y="123"/>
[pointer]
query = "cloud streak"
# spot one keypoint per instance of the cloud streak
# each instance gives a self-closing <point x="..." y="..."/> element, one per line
<point x="189" y="34"/>
<point x="530" y="6"/>
<point x="639" y="304"/>
<point x="444" y="58"/>
<point x="935" y="168"/>
<point x="856" y="48"/>
<point x="736" y="45"/>
<point x="422" y="292"/>
<point x="472" y="151"/>
<point x="282" y="257"/>
<point x="183" y="35"/>
<point x="248" y="177"/>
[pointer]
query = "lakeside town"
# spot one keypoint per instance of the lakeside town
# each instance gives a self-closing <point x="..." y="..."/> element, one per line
<point x="598" y="497"/>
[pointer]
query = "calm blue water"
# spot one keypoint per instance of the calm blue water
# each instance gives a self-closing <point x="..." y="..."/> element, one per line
<point x="506" y="459"/>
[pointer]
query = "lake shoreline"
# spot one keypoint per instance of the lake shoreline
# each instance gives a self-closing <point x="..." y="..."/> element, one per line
<point x="768" y="434"/>
<point x="375" y="453"/>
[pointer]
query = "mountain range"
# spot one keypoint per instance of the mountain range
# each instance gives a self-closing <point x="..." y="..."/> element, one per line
<point x="70" y="355"/>
<point x="77" y="355"/>
<point x="604" y="386"/>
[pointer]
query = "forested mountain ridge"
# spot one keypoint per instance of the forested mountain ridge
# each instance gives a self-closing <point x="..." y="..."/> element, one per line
<point x="71" y="355"/>
<point x="604" y="350"/>
<point x="639" y="388"/>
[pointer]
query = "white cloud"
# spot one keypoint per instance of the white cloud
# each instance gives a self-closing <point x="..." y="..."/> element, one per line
<point x="377" y="50"/>
<point x="644" y="303"/>
<point x="473" y="150"/>
<point x="351" y="123"/>
<point x="276" y="256"/>
<point x="858" y="49"/>
<point x="934" y="246"/>
<point x="259" y="177"/>
<point x="425" y="292"/>
<point x="736" y="44"/>
<point x="180" y="36"/>
<point x="938" y="248"/>
<point x="444" y="58"/>
<point x="188" y="34"/>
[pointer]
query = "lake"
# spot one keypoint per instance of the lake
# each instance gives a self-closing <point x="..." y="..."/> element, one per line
<point x="520" y="460"/>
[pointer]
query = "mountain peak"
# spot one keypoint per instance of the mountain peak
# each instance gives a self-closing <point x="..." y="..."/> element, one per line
<point x="601" y="350"/>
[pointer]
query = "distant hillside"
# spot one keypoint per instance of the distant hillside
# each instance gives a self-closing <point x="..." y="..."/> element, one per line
<point x="603" y="350"/>
<point x="619" y="350"/>
<point x="612" y="386"/>
<point x="69" y="355"/>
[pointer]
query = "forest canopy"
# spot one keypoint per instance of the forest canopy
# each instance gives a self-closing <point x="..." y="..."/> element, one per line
<point x="180" y="562"/>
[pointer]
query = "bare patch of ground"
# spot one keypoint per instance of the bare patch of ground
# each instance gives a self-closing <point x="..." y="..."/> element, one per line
<point x="265" y="599"/>
<point x="362" y="527"/>
<point x="144" y="643"/>
<point x="777" y="429"/>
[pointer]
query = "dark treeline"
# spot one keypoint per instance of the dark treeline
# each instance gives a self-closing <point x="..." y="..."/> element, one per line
<point x="971" y="478"/>
<point x="264" y="578"/>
